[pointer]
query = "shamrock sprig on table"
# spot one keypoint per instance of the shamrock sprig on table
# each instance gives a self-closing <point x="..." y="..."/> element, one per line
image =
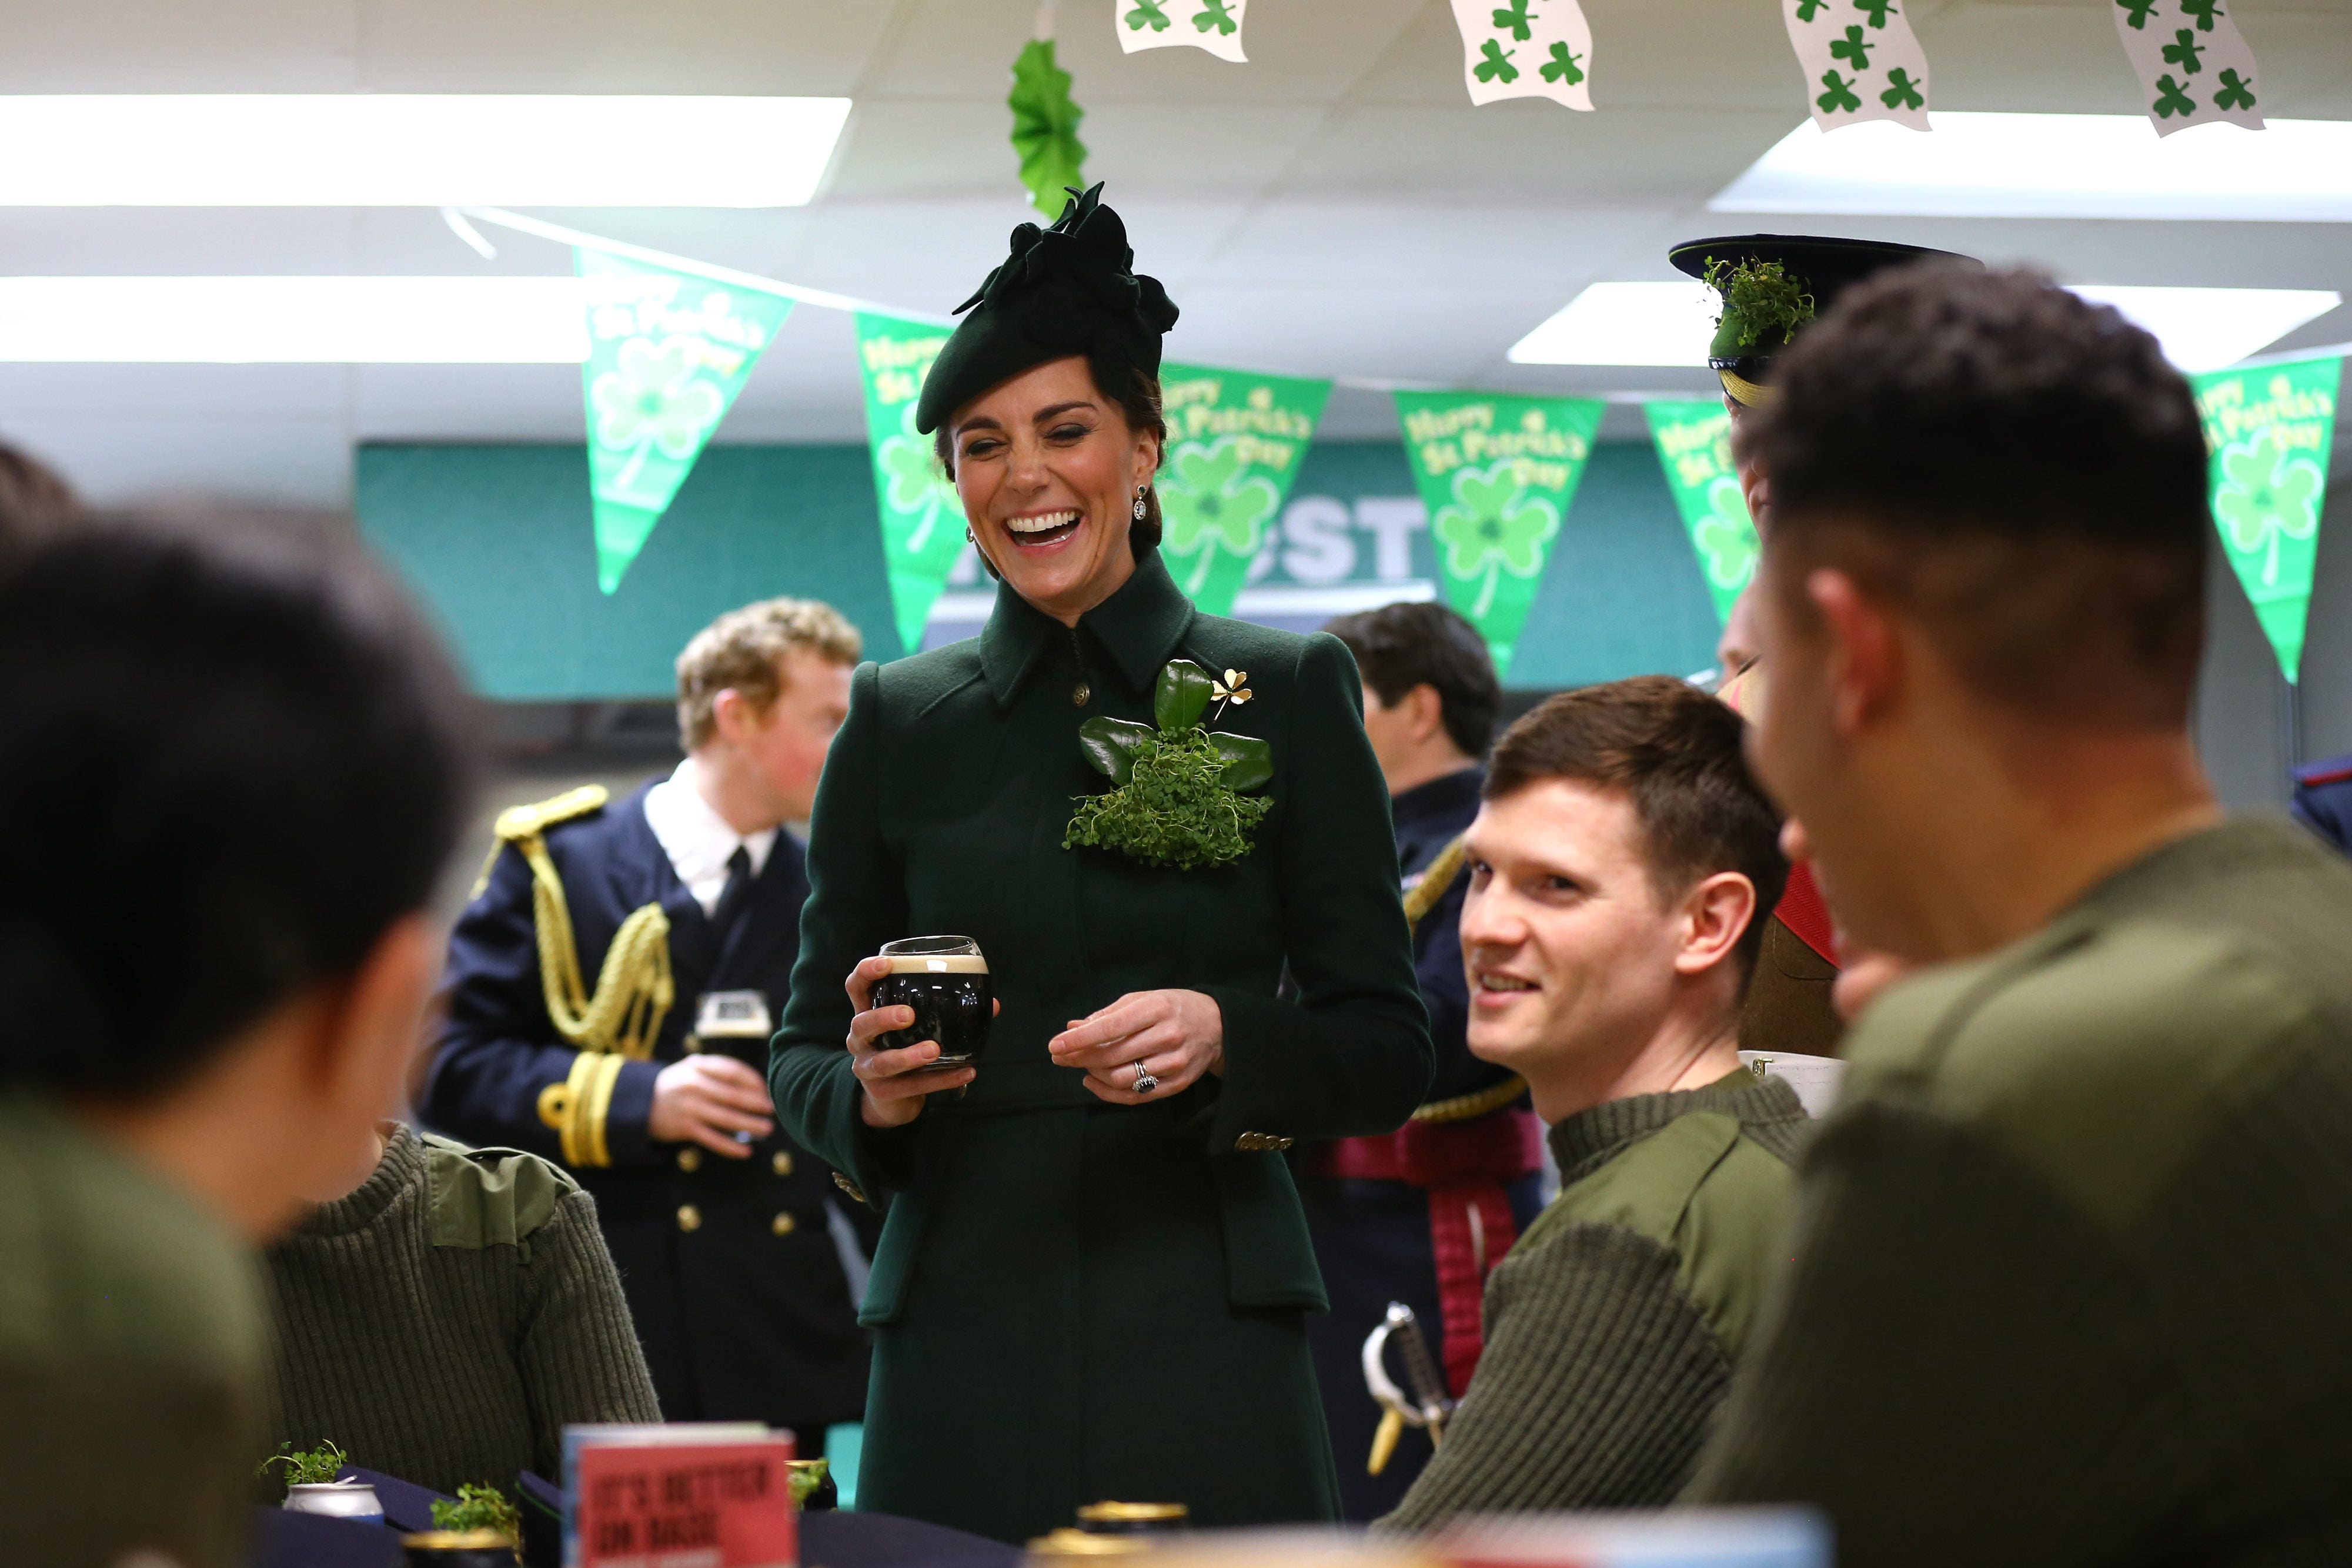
<point x="479" y="1507"/>
<point x="1177" y="796"/>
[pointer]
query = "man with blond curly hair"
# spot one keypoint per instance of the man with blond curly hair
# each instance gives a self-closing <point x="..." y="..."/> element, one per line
<point x="610" y="992"/>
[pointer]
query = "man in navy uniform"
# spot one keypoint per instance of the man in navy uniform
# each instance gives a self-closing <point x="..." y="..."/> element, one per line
<point x="1421" y="1215"/>
<point x="610" y="993"/>
<point x="2323" y="799"/>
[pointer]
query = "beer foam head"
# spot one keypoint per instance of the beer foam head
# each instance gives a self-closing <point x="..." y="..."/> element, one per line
<point x="937" y="964"/>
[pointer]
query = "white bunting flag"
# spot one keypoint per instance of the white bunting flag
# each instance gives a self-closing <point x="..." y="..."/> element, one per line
<point x="1211" y="25"/>
<point x="1525" y="49"/>
<point x="1861" y="61"/>
<point x="2190" y="60"/>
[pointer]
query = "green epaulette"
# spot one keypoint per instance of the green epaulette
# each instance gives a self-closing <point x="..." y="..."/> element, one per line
<point x="488" y="1197"/>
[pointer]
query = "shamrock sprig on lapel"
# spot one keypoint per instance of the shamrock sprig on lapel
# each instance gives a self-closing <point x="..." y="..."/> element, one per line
<point x="1177" y="796"/>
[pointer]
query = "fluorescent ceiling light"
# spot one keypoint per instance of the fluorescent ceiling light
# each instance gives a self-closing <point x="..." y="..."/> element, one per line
<point x="1625" y="324"/>
<point x="2206" y="329"/>
<point x="390" y="150"/>
<point x="1671" y="323"/>
<point x="1976" y="165"/>
<point x="293" y="320"/>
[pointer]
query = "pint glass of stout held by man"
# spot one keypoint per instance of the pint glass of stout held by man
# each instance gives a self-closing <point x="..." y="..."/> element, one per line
<point x="945" y="980"/>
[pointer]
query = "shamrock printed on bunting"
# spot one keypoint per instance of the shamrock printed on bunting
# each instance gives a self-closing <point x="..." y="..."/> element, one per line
<point x="1525" y="49"/>
<point x="2270" y="431"/>
<point x="922" y="519"/>
<point x="1211" y="25"/>
<point x="2191" y="62"/>
<point x="667" y="351"/>
<point x="1694" y="441"/>
<point x="1860" y="59"/>
<point x="1498" y="473"/>
<point x="1235" y="442"/>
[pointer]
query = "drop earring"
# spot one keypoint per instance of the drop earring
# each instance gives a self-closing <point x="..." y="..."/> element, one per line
<point x="968" y="538"/>
<point x="1138" y="503"/>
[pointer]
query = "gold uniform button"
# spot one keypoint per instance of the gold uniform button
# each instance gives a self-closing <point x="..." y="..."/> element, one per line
<point x="689" y="1217"/>
<point x="784" y="1225"/>
<point x="782" y="1162"/>
<point x="689" y="1159"/>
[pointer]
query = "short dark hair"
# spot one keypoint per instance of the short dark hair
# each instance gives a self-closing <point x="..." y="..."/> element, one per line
<point x="34" y="498"/>
<point x="1676" y="752"/>
<point x="1400" y="646"/>
<point x="230" y="760"/>
<point x="1141" y="403"/>
<point x="2020" y="468"/>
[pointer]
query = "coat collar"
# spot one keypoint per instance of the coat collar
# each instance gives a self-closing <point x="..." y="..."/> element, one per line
<point x="1139" y="627"/>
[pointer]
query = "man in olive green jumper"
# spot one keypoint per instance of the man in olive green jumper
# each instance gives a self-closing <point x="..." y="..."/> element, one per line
<point x="232" y="768"/>
<point x="2071" y="1283"/>
<point x="1621" y="865"/>
<point x="445" y="1319"/>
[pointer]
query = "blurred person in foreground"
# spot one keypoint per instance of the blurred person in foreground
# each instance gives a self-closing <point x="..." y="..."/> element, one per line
<point x="1421" y="1215"/>
<point x="234" y="767"/>
<point x="2069" y="1282"/>
<point x="736" y="1259"/>
<point x="442" y="1313"/>
<point x="1618" y="868"/>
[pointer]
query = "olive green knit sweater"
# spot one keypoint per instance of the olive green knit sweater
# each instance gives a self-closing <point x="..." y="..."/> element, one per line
<point x="443" y="1322"/>
<point x="1613" y="1326"/>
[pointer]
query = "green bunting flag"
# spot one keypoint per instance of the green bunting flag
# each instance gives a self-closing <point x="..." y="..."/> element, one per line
<point x="1693" y="440"/>
<point x="2268" y="430"/>
<point x="667" y="351"/>
<point x="922" y="520"/>
<point x="1496" y="474"/>
<point x="1234" y="441"/>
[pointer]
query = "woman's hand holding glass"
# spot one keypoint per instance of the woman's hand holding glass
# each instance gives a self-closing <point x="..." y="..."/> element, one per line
<point x="1165" y="1039"/>
<point x="896" y="1081"/>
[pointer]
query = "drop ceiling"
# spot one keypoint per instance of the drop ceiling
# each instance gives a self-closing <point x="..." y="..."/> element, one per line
<point x="1334" y="207"/>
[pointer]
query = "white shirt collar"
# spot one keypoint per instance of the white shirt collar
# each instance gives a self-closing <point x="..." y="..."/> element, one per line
<point x="697" y="839"/>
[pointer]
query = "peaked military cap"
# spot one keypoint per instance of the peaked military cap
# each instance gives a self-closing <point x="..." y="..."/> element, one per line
<point x="1771" y="286"/>
<point x="1068" y="289"/>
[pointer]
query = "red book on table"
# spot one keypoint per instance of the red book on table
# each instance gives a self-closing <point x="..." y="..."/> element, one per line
<point x="680" y="1497"/>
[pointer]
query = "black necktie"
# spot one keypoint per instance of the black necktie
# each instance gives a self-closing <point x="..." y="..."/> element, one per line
<point x="732" y="897"/>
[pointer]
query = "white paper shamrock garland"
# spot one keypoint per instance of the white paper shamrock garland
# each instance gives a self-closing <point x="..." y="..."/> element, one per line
<point x="1211" y="25"/>
<point x="1526" y="49"/>
<point x="2191" y="62"/>
<point x="1861" y="61"/>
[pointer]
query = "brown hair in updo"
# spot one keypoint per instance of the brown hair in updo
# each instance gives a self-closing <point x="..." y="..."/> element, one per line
<point x="1140" y="405"/>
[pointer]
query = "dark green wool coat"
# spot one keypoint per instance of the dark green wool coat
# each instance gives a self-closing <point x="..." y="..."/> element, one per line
<point x="1073" y="1301"/>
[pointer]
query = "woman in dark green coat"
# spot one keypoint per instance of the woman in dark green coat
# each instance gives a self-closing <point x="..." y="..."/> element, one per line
<point x="1093" y="1276"/>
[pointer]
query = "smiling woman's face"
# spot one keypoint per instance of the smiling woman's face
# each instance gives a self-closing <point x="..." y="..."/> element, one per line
<point x="1048" y="468"/>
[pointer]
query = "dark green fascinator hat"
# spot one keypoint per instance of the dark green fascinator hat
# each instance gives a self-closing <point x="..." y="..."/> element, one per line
<point x="1770" y="285"/>
<point x="1068" y="289"/>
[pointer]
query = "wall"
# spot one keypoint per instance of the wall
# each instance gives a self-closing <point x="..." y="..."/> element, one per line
<point x="496" y="539"/>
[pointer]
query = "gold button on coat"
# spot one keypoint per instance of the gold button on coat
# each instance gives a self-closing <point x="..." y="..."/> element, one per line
<point x="783" y="1164"/>
<point x="689" y="1217"/>
<point x="689" y="1159"/>
<point x="784" y="1225"/>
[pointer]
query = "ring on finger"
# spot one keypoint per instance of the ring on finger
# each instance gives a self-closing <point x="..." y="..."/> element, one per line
<point x="1145" y="1081"/>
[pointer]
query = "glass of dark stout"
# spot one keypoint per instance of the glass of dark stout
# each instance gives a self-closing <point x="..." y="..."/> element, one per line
<point x="945" y="980"/>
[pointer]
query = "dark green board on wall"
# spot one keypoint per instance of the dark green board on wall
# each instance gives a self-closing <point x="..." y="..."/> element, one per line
<point x="496" y="540"/>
